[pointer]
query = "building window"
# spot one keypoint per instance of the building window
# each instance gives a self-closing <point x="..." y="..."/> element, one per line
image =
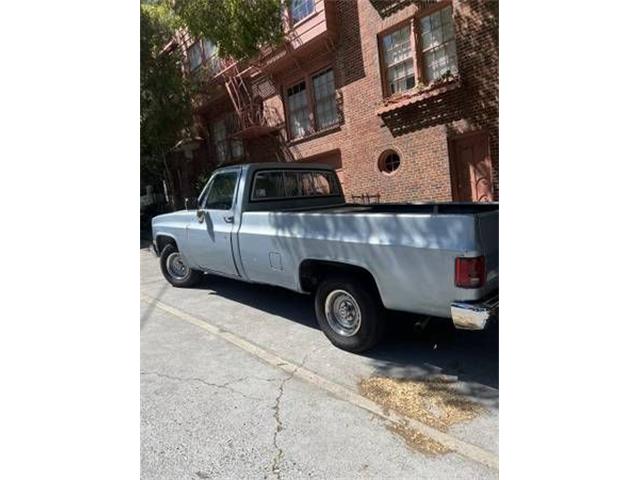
<point x="227" y="148"/>
<point x="237" y="148"/>
<point x="301" y="9"/>
<point x="398" y="60"/>
<point x="435" y="43"/>
<point x="210" y="52"/>
<point x="315" y="110"/>
<point x="209" y="48"/>
<point x="299" y="117"/>
<point x="389" y="162"/>
<point x="439" y="45"/>
<point x="324" y="92"/>
<point x="203" y="51"/>
<point x="220" y="141"/>
<point x="194" y="52"/>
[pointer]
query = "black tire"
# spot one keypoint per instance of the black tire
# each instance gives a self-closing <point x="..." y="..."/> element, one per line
<point x="372" y="314"/>
<point x="192" y="276"/>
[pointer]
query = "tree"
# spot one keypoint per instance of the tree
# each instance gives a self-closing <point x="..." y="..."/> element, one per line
<point x="165" y="105"/>
<point x="238" y="27"/>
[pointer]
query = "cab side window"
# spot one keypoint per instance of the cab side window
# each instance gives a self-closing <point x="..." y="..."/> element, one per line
<point x="222" y="191"/>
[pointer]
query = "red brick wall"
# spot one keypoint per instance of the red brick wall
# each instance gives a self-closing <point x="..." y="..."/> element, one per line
<point x="420" y="133"/>
<point x="424" y="173"/>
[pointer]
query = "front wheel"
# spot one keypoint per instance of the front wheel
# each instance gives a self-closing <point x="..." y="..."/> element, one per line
<point x="175" y="270"/>
<point x="349" y="313"/>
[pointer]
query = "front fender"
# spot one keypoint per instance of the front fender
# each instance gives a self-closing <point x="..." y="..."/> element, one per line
<point x="173" y="226"/>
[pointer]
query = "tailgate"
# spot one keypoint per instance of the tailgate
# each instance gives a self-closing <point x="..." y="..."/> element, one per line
<point x="488" y="233"/>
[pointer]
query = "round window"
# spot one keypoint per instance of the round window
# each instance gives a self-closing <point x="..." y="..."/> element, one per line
<point x="389" y="162"/>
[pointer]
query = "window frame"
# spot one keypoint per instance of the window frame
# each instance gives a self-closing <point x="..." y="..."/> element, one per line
<point x="234" y="195"/>
<point x="409" y="22"/>
<point x="228" y="138"/>
<point x="311" y="102"/>
<point x="214" y="49"/>
<point x="423" y="49"/>
<point x="200" y="46"/>
<point x="315" y="102"/>
<point x="416" y="46"/>
<point x="203" y="56"/>
<point x="205" y="192"/>
<point x="382" y="159"/>
<point x="293" y="24"/>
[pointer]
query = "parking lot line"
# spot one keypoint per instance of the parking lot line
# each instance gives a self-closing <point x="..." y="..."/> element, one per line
<point x="461" y="447"/>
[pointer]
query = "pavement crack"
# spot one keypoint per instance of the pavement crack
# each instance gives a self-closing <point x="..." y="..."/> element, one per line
<point x="221" y="386"/>
<point x="279" y="455"/>
<point x="277" y="459"/>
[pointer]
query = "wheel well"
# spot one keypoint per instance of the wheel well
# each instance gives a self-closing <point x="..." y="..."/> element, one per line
<point x="164" y="240"/>
<point x="312" y="272"/>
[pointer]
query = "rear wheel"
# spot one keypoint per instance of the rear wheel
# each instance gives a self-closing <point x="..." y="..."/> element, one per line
<point x="349" y="313"/>
<point x="175" y="270"/>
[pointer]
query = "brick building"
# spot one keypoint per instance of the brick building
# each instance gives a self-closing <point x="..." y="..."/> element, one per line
<point x="400" y="97"/>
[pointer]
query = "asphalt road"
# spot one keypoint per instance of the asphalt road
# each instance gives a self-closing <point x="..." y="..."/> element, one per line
<point x="238" y="382"/>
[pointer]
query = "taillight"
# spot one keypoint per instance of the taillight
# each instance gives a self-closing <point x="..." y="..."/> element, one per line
<point x="470" y="272"/>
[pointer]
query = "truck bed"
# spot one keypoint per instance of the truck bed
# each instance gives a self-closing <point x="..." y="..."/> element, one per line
<point x="400" y="244"/>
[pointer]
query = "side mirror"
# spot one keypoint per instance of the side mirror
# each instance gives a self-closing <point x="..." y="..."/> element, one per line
<point x="200" y="214"/>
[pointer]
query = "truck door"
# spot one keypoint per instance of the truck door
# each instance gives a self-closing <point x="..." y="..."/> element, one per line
<point x="209" y="234"/>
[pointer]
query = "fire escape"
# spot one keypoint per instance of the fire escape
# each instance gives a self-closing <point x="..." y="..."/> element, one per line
<point x="254" y="119"/>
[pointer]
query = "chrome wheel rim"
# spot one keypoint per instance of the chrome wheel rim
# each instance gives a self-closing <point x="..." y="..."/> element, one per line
<point x="176" y="266"/>
<point x="343" y="313"/>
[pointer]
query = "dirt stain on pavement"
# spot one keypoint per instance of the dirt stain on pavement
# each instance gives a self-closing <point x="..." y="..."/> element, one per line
<point x="417" y="440"/>
<point x="434" y="402"/>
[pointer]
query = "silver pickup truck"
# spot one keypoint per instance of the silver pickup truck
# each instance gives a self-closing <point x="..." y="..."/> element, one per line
<point x="288" y="225"/>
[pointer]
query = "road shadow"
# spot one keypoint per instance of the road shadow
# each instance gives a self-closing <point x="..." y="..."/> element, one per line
<point x="414" y="351"/>
<point x="274" y="300"/>
<point x="409" y="349"/>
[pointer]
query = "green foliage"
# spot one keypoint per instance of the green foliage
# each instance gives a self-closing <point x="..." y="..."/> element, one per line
<point x="239" y="27"/>
<point x="165" y="107"/>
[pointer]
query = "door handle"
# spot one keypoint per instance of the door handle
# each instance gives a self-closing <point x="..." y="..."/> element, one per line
<point x="228" y="219"/>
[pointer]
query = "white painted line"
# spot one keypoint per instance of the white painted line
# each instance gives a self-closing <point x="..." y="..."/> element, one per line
<point x="452" y="443"/>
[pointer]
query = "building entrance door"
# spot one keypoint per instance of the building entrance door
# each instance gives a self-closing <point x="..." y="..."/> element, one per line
<point x="471" y="169"/>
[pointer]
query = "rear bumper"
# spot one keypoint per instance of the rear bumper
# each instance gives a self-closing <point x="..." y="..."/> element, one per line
<point x="474" y="315"/>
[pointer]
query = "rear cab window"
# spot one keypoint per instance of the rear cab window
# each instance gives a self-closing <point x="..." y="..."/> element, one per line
<point x="288" y="184"/>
